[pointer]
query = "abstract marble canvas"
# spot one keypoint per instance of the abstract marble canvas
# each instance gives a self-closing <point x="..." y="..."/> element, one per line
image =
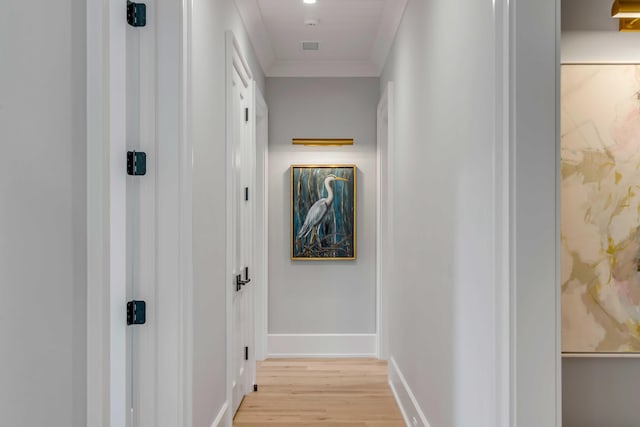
<point x="600" y="208"/>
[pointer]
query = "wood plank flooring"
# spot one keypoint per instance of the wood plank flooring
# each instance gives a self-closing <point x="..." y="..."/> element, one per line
<point x="320" y="392"/>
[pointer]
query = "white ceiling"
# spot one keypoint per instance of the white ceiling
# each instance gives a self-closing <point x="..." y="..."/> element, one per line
<point x="355" y="36"/>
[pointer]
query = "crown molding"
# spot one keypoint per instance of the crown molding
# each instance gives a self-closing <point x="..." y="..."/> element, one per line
<point x="391" y="19"/>
<point x="258" y="35"/>
<point x="323" y="69"/>
<point x="260" y="38"/>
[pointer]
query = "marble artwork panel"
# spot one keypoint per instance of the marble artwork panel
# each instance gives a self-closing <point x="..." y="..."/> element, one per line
<point x="600" y="208"/>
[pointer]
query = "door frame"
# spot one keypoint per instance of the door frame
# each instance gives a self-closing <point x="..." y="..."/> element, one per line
<point x="234" y="58"/>
<point x="261" y="236"/>
<point x="106" y="214"/>
<point x="385" y="142"/>
<point x="106" y="364"/>
<point x="106" y="211"/>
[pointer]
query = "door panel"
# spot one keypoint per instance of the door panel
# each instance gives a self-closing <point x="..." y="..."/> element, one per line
<point x="242" y="300"/>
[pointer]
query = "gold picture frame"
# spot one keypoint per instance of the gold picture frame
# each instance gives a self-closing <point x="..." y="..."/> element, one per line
<point x="323" y="212"/>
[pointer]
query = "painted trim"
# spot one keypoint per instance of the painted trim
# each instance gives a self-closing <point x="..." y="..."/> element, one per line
<point x="106" y="214"/>
<point x="600" y="47"/>
<point x="117" y="205"/>
<point x="186" y="301"/>
<point x="106" y="218"/>
<point x="534" y="26"/>
<point x="261" y="134"/>
<point x="150" y="224"/>
<point x="321" y="345"/>
<point x="389" y="24"/>
<point x="258" y="34"/>
<point x="221" y="415"/>
<point x="97" y="224"/>
<point x="229" y="220"/>
<point x="301" y="68"/>
<point x="405" y="398"/>
<point x="164" y="199"/>
<point x="385" y="123"/>
<point x="501" y="242"/>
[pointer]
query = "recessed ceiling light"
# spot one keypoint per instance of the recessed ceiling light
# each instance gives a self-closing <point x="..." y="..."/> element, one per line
<point x="310" y="1"/>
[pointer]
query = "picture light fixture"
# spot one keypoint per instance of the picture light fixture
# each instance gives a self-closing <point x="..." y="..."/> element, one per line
<point x="625" y="9"/>
<point x="320" y="142"/>
<point x="628" y="14"/>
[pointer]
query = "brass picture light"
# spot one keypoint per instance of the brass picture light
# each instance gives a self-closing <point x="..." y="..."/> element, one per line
<point x="625" y="9"/>
<point x="628" y="13"/>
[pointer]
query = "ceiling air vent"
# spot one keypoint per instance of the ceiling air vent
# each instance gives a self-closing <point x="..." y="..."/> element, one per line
<point x="310" y="45"/>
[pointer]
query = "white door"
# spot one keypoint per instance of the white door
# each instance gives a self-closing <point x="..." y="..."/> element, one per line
<point x="242" y="299"/>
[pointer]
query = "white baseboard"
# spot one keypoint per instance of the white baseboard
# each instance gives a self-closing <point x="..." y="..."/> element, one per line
<point x="321" y="345"/>
<point x="411" y="411"/>
<point x="218" y="422"/>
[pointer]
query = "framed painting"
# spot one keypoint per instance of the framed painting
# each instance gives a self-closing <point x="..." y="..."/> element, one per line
<point x="323" y="212"/>
<point x="600" y="209"/>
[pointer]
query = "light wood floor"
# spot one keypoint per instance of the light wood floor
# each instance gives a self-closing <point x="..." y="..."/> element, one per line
<point x="320" y="392"/>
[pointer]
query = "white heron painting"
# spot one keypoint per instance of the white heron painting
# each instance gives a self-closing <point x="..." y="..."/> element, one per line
<point x="323" y="212"/>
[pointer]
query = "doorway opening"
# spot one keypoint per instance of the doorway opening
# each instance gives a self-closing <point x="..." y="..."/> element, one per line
<point x="321" y="308"/>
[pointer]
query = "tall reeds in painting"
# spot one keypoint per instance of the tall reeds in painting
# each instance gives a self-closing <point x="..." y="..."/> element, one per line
<point x="323" y="212"/>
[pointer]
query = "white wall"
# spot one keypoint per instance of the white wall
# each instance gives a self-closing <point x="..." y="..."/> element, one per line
<point x="209" y="21"/>
<point x="600" y="392"/>
<point x="593" y="15"/>
<point x="441" y="311"/>
<point x="596" y="391"/>
<point x="332" y="297"/>
<point x="441" y="297"/>
<point x="42" y="214"/>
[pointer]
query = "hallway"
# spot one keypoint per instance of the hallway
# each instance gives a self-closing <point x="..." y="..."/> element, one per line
<point x="315" y="392"/>
<point x="456" y="214"/>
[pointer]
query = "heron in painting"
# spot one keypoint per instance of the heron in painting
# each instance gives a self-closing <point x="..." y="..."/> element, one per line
<point x="320" y="208"/>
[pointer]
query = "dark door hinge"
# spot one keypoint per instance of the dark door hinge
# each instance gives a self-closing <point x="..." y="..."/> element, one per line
<point x="255" y="387"/>
<point x="246" y="194"/>
<point x="136" y="312"/>
<point x="246" y="114"/>
<point x="136" y="163"/>
<point x="246" y="353"/>
<point x="136" y="14"/>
